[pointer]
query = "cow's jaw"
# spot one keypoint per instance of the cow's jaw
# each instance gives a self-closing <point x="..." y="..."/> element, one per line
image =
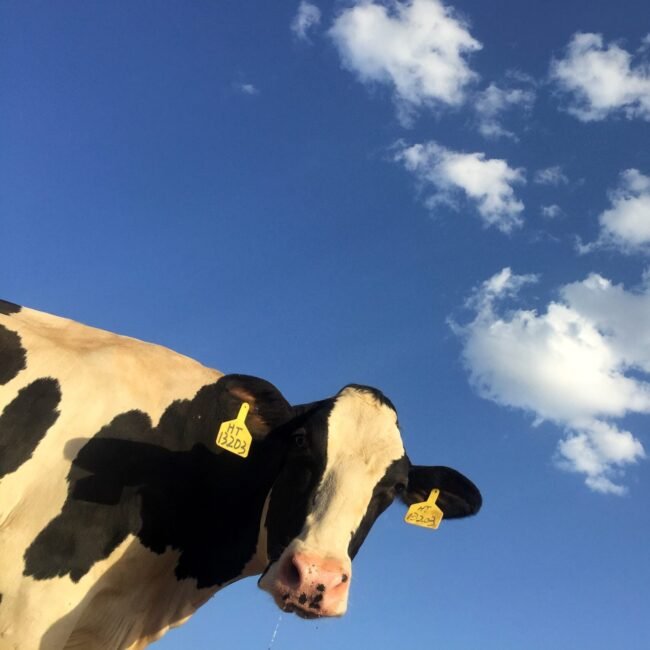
<point x="312" y="576"/>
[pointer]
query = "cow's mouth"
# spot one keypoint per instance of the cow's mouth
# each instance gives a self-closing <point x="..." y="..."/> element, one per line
<point x="298" y="610"/>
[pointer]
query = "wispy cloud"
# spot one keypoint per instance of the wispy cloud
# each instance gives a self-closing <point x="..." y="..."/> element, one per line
<point x="645" y="43"/>
<point x="575" y="365"/>
<point x="486" y="182"/>
<point x="307" y="17"/>
<point x="247" y="89"/>
<point x="551" y="176"/>
<point x="626" y="224"/>
<point x="493" y="102"/>
<point x="417" y="47"/>
<point x="552" y="211"/>
<point x="602" y="80"/>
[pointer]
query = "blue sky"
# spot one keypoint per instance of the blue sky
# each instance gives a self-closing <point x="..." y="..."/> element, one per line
<point x="448" y="202"/>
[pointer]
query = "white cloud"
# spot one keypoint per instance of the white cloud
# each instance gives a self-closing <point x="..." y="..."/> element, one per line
<point x="492" y="102"/>
<point x="551" y="211"/>
<point x="550" y="176"/>
<point x="247" y="89"/>
<point x="626" y="225"/>
<point x="418" y="47"/>
<point x="602" y="79"/>
<point x="576" y="365"/>
<point x="307" y="17"/>
<point x="623" y="315"/>
<point x="487" y="182"/>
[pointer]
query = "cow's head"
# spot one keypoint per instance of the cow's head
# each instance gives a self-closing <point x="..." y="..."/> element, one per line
<point x="344" y="464"/>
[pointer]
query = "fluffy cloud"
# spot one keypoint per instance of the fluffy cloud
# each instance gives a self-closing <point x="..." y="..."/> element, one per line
<point x="577" y="365"/>
<point x="307" y="17"/>
<point x="550" y="176"/>
<point x="602" y="79"/>
<point x="418" y="47"/>
<point x="487" y="182"/>
<point x="492" y="102"/>
<point x="626" y="224"/>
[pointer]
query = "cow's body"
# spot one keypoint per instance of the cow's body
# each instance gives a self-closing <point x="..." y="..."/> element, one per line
<point x="118" y="514"/>
<point x="99" y="375"/>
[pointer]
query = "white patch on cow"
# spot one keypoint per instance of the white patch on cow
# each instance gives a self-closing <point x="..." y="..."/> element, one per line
<point x="363" y="440"/>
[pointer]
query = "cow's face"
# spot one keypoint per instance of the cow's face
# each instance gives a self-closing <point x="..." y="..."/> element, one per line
<point x="344" y="466"/>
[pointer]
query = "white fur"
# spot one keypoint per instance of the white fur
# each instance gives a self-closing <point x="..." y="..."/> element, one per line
<point x="363" y="440"/>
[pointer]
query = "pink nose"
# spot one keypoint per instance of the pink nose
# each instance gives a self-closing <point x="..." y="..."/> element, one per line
<point x="313" y="585"/>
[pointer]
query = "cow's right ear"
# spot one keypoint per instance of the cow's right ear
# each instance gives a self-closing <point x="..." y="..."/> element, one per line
<point x="459" y="497"/>
<point x="268" y="407"/>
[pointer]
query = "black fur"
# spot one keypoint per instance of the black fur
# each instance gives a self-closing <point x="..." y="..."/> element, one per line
<point x="382" y="496"/>
<point x="459" y="497"/>
<point x="8" y="308"/>
<point x="303" y="469"/>
<point x="25" y="420"/>
<point x="13" y="357"/>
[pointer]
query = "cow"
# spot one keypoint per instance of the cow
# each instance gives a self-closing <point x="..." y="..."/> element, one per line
<point x="120" y="515"/>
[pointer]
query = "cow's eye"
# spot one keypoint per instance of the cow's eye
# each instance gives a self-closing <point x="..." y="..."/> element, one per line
<point x="399" y="488"/>
<point x="300" y="440"/>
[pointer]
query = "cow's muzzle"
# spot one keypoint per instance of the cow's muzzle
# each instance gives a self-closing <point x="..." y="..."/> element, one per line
<point x="308" y="584"/>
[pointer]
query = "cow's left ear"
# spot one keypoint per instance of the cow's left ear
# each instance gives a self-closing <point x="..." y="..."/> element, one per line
<point x="459" y="497"/>
<point x="268" y="407"/>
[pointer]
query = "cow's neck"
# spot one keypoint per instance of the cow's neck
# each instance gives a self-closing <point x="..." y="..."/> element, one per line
<point x="201" y="515"/>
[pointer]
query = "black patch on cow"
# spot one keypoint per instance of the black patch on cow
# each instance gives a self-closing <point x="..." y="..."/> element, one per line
<point x="8" y="308"/>
<point x="301" y="474"/>
<point x="13" y="358"/>
<point x="376" y="393"/>
<point x="382" y="496"/>
<point x="170" y="486"/>
<point x="25" y="420"/>
<point x="0" y="599"/>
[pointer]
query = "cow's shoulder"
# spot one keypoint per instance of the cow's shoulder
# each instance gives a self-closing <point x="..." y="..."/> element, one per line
<point x="80" y="354"/>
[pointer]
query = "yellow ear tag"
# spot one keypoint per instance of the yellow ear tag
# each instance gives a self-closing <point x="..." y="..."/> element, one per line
<point x="426" y="513"/>
<point x="234" y="435"/>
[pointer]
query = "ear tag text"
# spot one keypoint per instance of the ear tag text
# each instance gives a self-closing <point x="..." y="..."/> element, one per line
<point x="426" y="513"/>
<point x="234" y="435"/>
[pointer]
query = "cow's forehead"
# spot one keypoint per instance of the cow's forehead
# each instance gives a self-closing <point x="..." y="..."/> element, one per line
<point x="363" y="425"/>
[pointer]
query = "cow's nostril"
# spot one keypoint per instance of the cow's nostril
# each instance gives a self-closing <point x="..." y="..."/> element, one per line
<point x="293" y="574"/>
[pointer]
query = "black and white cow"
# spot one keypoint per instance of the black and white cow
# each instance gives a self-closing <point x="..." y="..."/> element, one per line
<point x="119" y="515"/>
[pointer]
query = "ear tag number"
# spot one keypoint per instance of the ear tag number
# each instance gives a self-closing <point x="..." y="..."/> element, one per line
<point x="234" y="435"/>
<point x="426" y="513"/>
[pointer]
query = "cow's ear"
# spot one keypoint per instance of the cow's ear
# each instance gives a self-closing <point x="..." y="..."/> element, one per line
<point x="459" y="497"/>
<point x="268" y="407"/>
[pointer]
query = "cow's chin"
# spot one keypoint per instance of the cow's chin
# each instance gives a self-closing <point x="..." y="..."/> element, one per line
<point x="308" y="585"/>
